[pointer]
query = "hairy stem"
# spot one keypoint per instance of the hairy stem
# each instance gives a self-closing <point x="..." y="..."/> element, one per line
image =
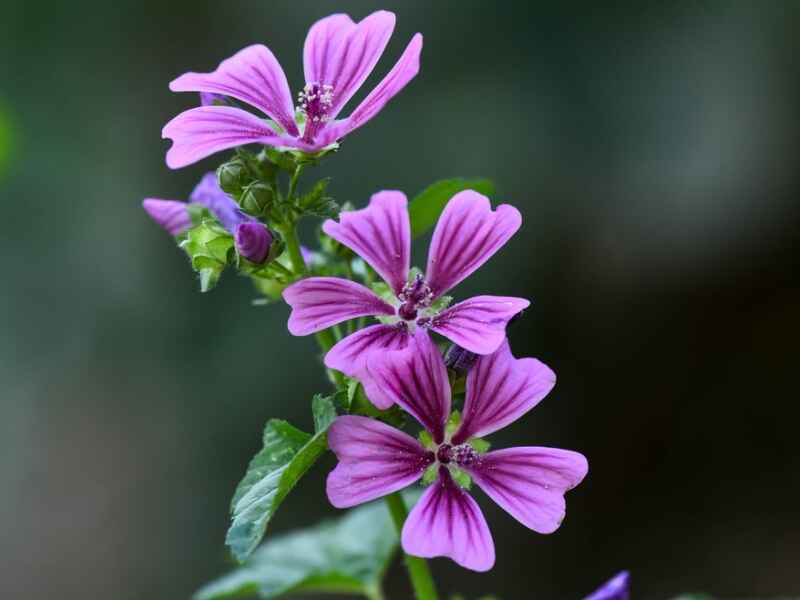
<point x="293" y="248"/>
<point x="418" y="570"/>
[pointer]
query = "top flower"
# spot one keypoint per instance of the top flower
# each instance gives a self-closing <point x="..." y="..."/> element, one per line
<point x="338" y="56"/>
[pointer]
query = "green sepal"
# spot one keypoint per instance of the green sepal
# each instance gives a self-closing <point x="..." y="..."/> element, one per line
<point x="425" y="208"/>
<point x="452" y="423"/>
<point x="347" y="555"/>
<point x="426" y="439"/>
<point x="480" y="445"/>
<point x="431" y="473"/>
<point x="460" y="476"/>
<point x="283" y="160"/>
<point x="286" y="455"/>
<point x="210" y="249"/>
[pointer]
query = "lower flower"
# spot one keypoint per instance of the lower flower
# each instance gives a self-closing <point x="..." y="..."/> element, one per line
<point x="376" y="459"/>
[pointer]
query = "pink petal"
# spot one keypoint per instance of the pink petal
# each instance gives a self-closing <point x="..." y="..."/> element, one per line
<point x="500" y="389"/>
<point x="403" y="71"/>
<point x="169" y="214"/>
<point x="322" y="42"/>
<point x="529" y="482"/>
<point x="616" y="588"/>
<point x="252" y="75"/>
<point x="350" y="355"/>
<point x="374" y="460"/>
<point x="446" y="521"/>
<point x="467" y="235"/>
<point x="354" y="57"/>
<point x="380" y="234"/>
<point x="200" y="132"/>
<point x="478" y="324"/>
<point x="320" y="302"/>
<point x="416" y="379"/>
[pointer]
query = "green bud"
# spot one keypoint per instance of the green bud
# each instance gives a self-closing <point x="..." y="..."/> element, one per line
<point x="232" y="176"/>
<point x="256" y="198"/>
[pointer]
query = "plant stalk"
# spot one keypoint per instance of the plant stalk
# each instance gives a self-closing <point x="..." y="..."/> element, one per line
<point x="418" y="570"/>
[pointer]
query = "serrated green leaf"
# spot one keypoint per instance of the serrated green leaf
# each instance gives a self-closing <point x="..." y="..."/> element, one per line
<point x="286" y="456"/>
<point x="425" y="208"/>
<point x="346" y="555"/>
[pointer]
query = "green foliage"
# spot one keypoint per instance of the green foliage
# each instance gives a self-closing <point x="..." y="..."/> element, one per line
<point x="286" y="456"/>
<point x="346" y="555"/>
<point x="210" y="248"/>
<point x="318" y="204"/>
<point x="426" y="207"/>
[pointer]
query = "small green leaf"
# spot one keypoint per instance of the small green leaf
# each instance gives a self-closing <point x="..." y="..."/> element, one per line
<point x="426" y="207"/>
<point x="286" y="456"/>
<point x="346" y="555"/>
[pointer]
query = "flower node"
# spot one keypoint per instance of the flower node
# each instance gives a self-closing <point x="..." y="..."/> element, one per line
<point x="315" y="100"/>
<point x="415" y="295"/>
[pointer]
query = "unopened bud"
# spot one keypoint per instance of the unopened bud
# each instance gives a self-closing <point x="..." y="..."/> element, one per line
<point x="253" y="241"/>
<point x="232" y="176"/>
<point x="459" y="360"/>
<point x="256" y="198"/>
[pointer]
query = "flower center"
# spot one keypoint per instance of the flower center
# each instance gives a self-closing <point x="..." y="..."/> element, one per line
<point x="315" y="100"/>
<point x="414" y="296"/>
<point x="463" y="455"/>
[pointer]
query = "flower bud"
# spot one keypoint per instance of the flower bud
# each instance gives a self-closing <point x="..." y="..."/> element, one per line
<point x="458" y="359"/>
<point x="232" y="176"/>
<point x="253" y="241"/>
<point x="212" y="99"/>
<point x="169" y="214"/>
<point x="256" y="198"/>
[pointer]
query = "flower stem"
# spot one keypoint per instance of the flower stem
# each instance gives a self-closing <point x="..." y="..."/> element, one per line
<point x="418" y="570"/>
<point x="293" y="248"/>
<point x="326" y="341"/>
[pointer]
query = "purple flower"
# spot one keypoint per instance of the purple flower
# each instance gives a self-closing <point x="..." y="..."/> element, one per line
<point x="467" y="235"/>
<point x="376" y="459"/>
<point x="338" y="56"/>
<point x="170" y="214"/>
<point x="614" y="589"/>
<point x="251" y="237"/>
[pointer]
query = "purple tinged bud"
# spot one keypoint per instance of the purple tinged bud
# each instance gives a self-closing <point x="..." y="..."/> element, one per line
<point x="170" y="214"/>
<point x="459" y="360"/>
<point x="253" y="241"/>
<point x="211" y="99"/>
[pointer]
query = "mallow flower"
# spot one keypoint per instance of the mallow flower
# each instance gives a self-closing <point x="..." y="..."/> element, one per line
<point x="338" y="56"/>
<point x="615" y="588"/>
<point x="251" y="237"/>
<point x="376" y="459"/>
<point x="468" y="233"/>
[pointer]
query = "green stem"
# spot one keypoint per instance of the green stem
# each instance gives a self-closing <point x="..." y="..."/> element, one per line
<point x="418" y="570"/>
<point x="293" y="248"/>
<point x="326" y="341"/>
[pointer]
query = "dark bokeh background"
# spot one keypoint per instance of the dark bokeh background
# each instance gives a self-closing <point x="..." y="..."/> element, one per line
<point x="653" y="151"/>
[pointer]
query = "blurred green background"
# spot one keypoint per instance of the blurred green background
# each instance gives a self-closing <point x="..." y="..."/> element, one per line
<point x="653" y="150"/>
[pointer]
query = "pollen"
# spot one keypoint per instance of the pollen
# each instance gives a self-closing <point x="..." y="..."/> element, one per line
<point x="315" y="100"/>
